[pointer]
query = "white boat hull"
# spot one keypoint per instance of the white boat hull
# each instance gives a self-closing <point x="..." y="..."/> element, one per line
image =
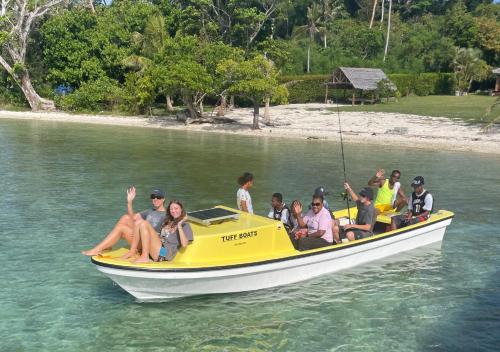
<point x="165" y="285"/>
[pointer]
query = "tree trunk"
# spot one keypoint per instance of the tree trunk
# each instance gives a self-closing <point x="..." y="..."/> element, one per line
<point x="382" y="15"/>
<point x="374" y="10"/>
<point x="388" y="30"/>
<point x="324" y="40"/>
<point x="255" y="125"/>
<point x="308" y="57"/>
<point x="187" y="99"/>
<point x="36" y="102"/>
<point x="170" y="106"/>
<point x="231" y="102"/>
<point x="267" y="115"/>
<point x="91" y="6"/>
<point x="221" y="111"/>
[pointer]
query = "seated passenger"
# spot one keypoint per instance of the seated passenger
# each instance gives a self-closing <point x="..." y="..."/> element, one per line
<point x="420" y="206"/>
<point x="124" y="228"/>
<point x="390" y="195"/>
<point x="280" y="211"/>
<point x="365" y="218"/>
<point x="315" y="228"/>
<point x="175" y="233"/>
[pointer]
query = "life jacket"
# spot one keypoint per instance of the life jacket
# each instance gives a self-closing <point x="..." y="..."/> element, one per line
<point x="277" y="215"/>
<point x="418" y="203"/>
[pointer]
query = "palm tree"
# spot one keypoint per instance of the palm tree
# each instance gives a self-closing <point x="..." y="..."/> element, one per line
<point x="309" y="30"/>
<point x="152" y="44"/>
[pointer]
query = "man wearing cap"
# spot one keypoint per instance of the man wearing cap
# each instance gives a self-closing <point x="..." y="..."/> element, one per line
<point x="125" y="227"/>
<point x="365" y="219"/>
<point x="420" y="205"/>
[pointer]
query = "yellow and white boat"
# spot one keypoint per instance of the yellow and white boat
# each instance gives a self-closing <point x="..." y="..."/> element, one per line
<point x="251" y="252"/>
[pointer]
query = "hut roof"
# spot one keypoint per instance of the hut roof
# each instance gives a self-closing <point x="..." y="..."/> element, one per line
<point x="497" y="71"/>
<point x="358" y="78"/>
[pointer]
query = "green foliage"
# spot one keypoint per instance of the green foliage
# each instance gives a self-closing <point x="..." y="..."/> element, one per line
<point x="469" y="67"/>
<point x="424" y="83"/>
<point x="94" y="96"/>
<point x="306" y="88"/>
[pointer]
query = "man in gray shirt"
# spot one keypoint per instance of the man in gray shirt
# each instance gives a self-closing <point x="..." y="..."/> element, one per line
<point x="124" y="228"/>
<point x="365" y="219"/>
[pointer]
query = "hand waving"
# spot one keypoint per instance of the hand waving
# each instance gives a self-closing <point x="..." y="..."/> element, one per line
<point x="131" y="194"/>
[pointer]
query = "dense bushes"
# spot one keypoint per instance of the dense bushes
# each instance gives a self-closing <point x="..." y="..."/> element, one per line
<point x="92" y="96"/>
<point x="311" y="88"/>
<point x="424" y="83"/>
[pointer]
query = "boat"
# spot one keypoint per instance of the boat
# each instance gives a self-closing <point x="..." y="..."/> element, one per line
<point x="239" y="252"/>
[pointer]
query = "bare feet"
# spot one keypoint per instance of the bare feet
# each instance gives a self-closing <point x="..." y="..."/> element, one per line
<point x="128" y="254"/>
<point x="91" y="252"/>
<point x="141" y="260"/>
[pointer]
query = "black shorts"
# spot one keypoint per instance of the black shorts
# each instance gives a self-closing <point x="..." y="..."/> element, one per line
<point x="402" y="221"/>
<point x="358" y="234"/>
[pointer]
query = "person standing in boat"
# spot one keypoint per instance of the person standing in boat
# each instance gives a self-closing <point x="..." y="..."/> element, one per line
<point x="124" y="228"/>
<point x="365" y="218"/>
<point x="175" y="233"/>
<point x="390" y="195"/>
<point x="243" y="198"/>
<point x="315" y="228"/>
<point x="420" y="205"/>
<point x="280" y="211"/>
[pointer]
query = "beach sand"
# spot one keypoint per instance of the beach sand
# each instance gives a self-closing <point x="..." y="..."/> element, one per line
<point x="317" y="122"/>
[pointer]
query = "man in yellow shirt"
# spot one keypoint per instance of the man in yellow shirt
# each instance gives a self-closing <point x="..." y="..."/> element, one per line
<point x="390" y="195"/>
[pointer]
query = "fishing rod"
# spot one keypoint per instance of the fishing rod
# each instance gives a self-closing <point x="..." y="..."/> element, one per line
<point x="343" y="156"/>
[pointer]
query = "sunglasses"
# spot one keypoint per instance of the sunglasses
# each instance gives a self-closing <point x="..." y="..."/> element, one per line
<point x="156" y="197"/>
<point x="315" y="204"/>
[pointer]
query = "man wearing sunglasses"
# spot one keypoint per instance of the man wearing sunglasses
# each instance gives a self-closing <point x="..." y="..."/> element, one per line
<point x="390" y="195"/>
<point x="124" y="228"/>
<point x="315" y="228"/>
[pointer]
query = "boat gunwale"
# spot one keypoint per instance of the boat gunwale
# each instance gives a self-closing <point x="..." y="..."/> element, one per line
<point x="327" y="249"/>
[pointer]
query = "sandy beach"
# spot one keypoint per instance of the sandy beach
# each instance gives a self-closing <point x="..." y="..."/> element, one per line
<point x="316" y="122"/>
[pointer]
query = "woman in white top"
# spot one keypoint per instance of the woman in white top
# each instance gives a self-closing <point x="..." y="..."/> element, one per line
<point x="243" y="198"/>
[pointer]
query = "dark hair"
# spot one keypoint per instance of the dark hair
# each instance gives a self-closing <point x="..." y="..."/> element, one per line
<point x="170" y="219"/>
<point x="318" y="196"/>
<point x="396" y="172"/>
<point x="246" y="177"/>
<point x="278" y="196"/>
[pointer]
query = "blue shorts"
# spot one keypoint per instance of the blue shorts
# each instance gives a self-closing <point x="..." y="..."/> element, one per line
<point x="162" y="256"/>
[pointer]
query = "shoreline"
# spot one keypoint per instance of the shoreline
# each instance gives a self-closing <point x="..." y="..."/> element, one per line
<point x="314" y="122"/>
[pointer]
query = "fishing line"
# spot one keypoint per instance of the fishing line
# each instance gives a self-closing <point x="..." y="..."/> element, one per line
<point x="343" y="156"/>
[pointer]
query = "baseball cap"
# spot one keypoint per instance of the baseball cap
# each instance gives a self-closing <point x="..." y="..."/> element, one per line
<point x="366" y="192"/>
<point x="158" y="193"/>
<point x="320" y="191"/>
<point x="417" y="181"/>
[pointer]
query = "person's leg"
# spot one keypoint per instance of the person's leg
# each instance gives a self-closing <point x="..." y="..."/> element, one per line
<point x="397" y="221"/>
<point x="306" y="243"/>
<point x="336" y="231"/>
<point x="124" y="228"/>
<point x="400" y="203"/>
<point x="151" y="243"/>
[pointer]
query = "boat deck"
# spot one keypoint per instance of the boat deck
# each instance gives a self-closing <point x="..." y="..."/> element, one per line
<point x="249" y="239"/>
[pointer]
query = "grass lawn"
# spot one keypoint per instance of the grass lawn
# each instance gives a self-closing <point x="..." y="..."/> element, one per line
<point x="471" y="108"/>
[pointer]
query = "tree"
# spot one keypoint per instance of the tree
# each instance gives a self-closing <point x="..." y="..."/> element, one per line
<point x="310" y="29"/>
<point x="16" y="23"/>
<point x="469" y="67"/>
<point x="388" y="30"/>
<point x="254" y="79"/>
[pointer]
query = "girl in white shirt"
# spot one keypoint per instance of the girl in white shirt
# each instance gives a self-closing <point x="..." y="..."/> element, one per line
<point x="243" y="198"/>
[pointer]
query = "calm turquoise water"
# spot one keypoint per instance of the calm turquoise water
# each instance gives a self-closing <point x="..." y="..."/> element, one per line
<point x="63" y="187"/>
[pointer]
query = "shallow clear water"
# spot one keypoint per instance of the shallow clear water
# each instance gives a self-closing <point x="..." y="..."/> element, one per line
<point x="63" y="187"/>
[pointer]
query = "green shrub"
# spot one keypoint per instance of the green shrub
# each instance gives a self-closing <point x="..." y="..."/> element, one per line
<point x="101" y="94"/>
<point x="305" y="88"/>
<point x="424" y="83"/>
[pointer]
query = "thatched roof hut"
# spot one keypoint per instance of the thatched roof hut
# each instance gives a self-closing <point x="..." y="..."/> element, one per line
<point x="358" y="79"/>
<point x="496" y="71"/>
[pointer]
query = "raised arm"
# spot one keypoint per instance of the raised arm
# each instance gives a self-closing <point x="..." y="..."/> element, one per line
<point x="353" y="195"/>
<point x="378" y="179"/>
<point x="297" y="210"/>
<point x="130" y="199"/>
